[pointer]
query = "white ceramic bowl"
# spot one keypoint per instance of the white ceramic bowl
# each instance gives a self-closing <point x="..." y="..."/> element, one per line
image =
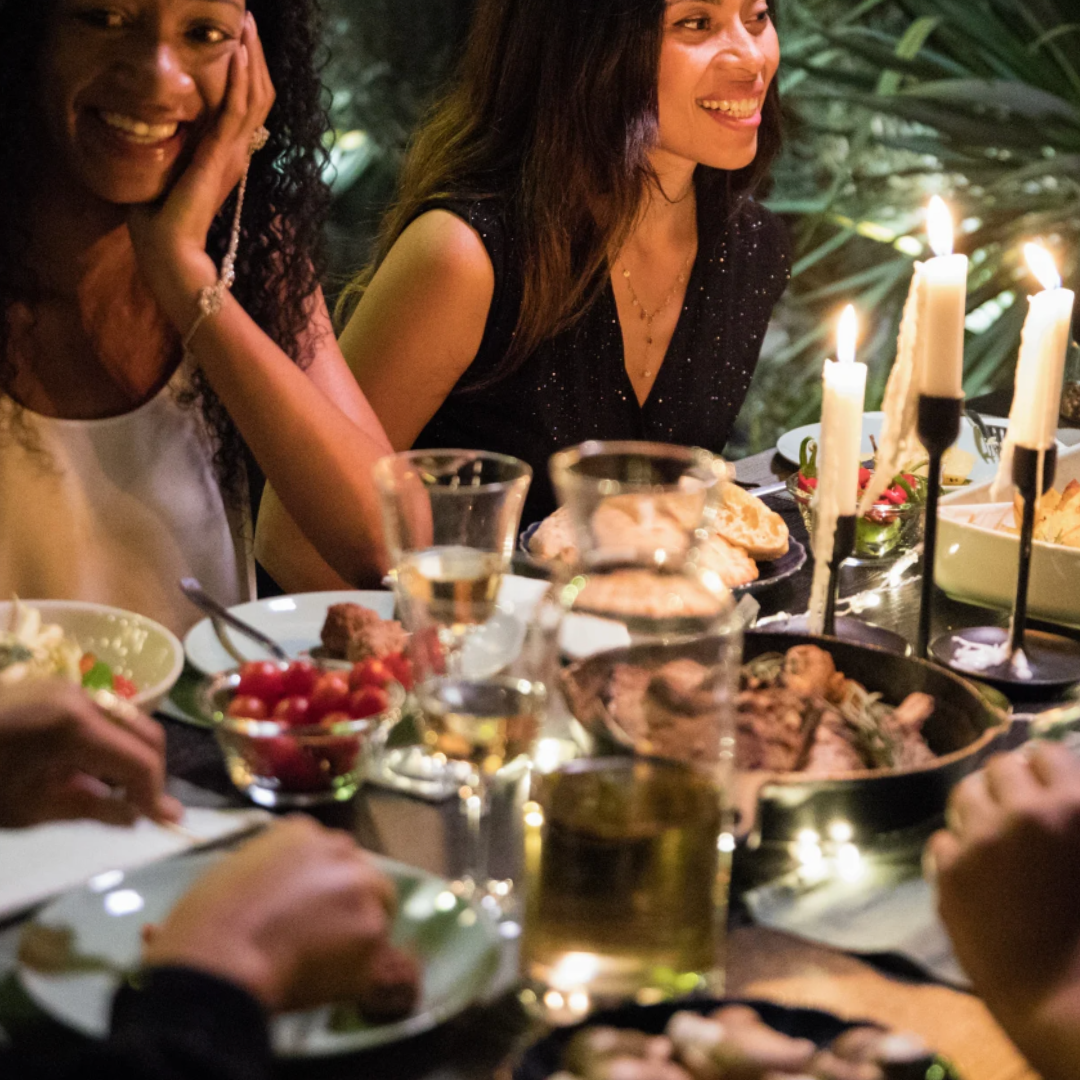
<point x="977" y="562"/>
<point x="132" y="645"/>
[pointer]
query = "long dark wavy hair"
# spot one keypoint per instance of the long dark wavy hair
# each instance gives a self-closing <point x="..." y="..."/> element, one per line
<point x="554" y="111"/>
<point x="280" y="258"/>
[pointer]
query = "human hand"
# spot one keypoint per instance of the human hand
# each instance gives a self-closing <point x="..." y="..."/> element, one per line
<point x="170" y="237"/>
<point x="1006" y="879"/>
<point x="298" y="917"/>
<point x="60" y="758"/>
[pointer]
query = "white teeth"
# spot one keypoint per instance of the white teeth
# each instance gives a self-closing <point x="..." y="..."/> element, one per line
<point x="739" y="110"/>
<point x="137" y="130"/>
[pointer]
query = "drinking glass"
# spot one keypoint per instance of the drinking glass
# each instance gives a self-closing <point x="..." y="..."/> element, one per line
<point x="640" y="513"/>
<point x="627" y="858"/>
<point x="451" y="521"/>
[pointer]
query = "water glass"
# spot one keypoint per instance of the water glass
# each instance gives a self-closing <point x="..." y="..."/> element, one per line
<point x="641" y="513"/>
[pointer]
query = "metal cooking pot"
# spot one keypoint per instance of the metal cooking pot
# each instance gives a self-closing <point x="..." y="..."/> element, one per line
<point x="964" y="729"/>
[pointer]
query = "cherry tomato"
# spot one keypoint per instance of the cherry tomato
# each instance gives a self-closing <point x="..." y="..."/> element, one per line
<point x="299" y="679"/>
<point x="293" y="710"/>
<point x="291" y="764"/>
<point x="401" y="668"/>
<point x="864" y="476"/>
<point x="262" y="679"/>
<point x="123" y="687"/>
<point x="370" y="672"/>
<point x="330" y="695"/>
<point x="248" y="707"/>
<point x="367" y="701"/>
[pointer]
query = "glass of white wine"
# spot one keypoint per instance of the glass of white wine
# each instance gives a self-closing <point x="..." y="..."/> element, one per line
<point x="451" y="521"/>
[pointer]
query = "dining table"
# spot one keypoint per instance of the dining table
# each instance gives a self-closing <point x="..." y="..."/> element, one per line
<point x="761" y="963"/>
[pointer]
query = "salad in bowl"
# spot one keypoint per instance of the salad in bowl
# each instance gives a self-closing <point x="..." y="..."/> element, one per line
<point x="890" y="527"/>
<point x="101" y="648"/>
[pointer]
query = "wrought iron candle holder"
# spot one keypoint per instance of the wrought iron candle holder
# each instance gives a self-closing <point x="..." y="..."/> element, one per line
<point x="939" y="428"/>
<point x="1031" y="660"/>
<point x="845" y="627"/>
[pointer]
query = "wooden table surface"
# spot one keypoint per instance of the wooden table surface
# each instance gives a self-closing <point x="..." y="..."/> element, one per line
<point x="767" y="964"/>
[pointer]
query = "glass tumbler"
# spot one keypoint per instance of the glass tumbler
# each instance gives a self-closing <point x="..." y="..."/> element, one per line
<point x="627" y="855"/>
<point x="640" y="513"/>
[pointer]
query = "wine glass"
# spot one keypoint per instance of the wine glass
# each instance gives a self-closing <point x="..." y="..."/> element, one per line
<point x="451" y="520"/>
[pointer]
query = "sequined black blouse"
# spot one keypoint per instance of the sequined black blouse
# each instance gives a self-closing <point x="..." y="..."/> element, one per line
<point x="575" y="385"/>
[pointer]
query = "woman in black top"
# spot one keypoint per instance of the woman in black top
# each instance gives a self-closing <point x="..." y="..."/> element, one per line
<point x="576" y="251"/>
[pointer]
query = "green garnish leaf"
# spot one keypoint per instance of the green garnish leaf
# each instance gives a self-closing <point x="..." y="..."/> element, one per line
<point x="99" y="677"/>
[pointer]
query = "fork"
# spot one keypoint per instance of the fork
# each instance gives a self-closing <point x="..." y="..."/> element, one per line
<point x="988" y="437"/>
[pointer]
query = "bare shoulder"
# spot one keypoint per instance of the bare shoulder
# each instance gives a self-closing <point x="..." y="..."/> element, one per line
<point x="442" y="243"/>
<point x="420" y="322"/>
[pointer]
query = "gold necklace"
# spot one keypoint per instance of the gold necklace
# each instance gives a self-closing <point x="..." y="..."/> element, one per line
<point x="648" y="317"/>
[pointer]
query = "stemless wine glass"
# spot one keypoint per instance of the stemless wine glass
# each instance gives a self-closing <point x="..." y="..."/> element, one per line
<point x="450" y="519"/>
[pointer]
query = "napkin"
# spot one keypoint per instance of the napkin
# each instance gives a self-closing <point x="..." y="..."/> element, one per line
<point x="888" y="911"/>
<point x="48" y="859"/>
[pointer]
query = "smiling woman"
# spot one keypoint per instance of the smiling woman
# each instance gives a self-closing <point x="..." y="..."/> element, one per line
<point x="138" y="394"/>
<point x="575" y="252"/>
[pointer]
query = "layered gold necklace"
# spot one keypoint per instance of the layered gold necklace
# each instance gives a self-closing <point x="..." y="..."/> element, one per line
<point x="648" y="317"/>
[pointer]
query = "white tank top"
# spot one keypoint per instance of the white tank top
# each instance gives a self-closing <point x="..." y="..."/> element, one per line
<point x="118" y="510"/>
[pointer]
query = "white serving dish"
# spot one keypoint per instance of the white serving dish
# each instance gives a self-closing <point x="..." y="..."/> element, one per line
<point x="134" y="646"/>
<point x="976" y="562"/>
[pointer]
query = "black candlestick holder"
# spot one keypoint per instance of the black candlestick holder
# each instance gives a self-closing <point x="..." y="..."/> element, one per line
<point x="843" y="548"/>
<point x="1050" y="661"/>
<point x="847" y="628"/>
<point x="939" y="428"/>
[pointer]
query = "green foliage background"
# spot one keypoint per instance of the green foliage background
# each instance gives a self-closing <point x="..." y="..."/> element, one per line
<point x="889" y="102"/>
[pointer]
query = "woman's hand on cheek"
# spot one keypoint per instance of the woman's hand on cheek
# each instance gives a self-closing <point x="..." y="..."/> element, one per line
<point x="170" y="237"/>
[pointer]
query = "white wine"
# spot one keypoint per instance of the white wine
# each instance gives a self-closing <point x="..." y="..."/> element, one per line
<point x="624" y="883"/>
<point x="484" y="721"/>
<point x="457" y="585"/>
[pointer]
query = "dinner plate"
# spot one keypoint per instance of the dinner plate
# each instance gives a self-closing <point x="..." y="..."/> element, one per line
<point x="294" y="622"/>
<point x="984" y="469"/>
<point x="457" y="945"/>
<point x="545" y="1057"/>
<point x="776" y="570"/>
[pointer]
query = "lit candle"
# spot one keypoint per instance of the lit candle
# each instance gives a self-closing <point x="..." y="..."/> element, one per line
<point x="1043" y="347"/>
<point x="843" y="398"/>
<point x="940" y="349"/>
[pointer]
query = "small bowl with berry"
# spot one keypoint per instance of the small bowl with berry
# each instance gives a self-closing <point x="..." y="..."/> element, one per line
<point x="299" y="733"/>
<point x="892" y="526"/>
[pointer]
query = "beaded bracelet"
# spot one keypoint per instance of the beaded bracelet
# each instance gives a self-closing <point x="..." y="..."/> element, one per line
<point x="211" y="298"/>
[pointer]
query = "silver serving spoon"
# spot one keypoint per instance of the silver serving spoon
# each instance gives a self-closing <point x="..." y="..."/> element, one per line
<point x="220" y="617"/>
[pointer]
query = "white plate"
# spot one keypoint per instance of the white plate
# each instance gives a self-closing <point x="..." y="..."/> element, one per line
<point x="977" y="562"/>
<point x="458" y="947"/>
<point x="294" y="621"/>
<point x="788" y="444"/>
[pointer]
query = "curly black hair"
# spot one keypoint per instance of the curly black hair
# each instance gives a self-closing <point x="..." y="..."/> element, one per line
<point x="281" y="258"/>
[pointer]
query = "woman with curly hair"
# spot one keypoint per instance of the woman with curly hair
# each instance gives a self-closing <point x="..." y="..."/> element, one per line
<point x="576" y="252"/>
<point x="154" y="150"/>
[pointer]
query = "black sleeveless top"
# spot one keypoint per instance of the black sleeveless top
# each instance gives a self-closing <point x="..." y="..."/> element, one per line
<point x="575" y="386"/>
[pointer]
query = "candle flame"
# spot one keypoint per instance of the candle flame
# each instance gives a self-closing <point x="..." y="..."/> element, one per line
<point x="939" y="226"/>
<point x="1042" y="266"/>
<point x="847" y="335"/>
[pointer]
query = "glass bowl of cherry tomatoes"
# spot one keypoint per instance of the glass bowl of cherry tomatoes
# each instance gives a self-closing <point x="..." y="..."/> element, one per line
<point x="892" y="526"/>
<point x="299" y="733"/>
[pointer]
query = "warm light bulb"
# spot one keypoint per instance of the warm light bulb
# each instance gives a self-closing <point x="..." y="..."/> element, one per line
<point x="1042" y="265"/>
<point x="939" y="226"/>
<point x="847" y="335"/>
